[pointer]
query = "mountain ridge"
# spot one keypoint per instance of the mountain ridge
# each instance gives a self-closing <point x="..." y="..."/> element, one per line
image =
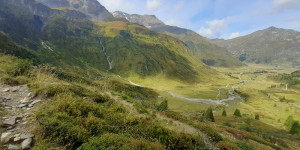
<point x="91" y="8"/>
<point x="207" y="52"/>
<point x="272" y="45"/>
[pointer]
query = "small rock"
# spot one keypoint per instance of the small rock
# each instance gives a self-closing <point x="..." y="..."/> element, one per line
<point x="6" y="137"/>
<point x="15" y="89"/>
<point x="26" y="136"/>
<point x="28" y="109"/>
<point x="2" y="99"/>
<point x="9" y="122"/>
<point x="22" y="105"/>
<point x="7" y="107"/>
<point x="17" y="139"/>
<point x="6" y="90"/>
<point x="10" y="146"/>
<point x="25" y="100"/>
<point x="4" y="118"/>
<point x="29" y="94"/>
<point x="26" y="143"/>
<point x="10" y="128"/>
<point x="34" y="102"/>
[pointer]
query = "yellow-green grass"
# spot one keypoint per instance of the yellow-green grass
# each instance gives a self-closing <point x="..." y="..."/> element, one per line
<point x="271" y="110"/>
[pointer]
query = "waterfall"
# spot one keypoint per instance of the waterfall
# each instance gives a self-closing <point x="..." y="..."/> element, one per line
<point x="107" y="57"/>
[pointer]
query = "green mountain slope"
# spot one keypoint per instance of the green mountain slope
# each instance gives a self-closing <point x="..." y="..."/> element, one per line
<point x="8" y="47"/>
<point x="270" y="46"/>
<point x="119" y="47"/>
<point x="207" y="52"/>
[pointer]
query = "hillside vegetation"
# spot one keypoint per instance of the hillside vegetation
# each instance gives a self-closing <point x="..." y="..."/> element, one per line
<point x="82" y="74"/>
<point x="119" y="47"/>
<point x="208" y="53"/>
<point x="83" y="113"/>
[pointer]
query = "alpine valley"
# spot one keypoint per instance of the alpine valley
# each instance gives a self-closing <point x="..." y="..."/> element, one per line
<point x="76" y="76"/>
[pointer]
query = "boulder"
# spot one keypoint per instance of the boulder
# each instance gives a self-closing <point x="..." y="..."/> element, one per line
<point x="6" y="137"/>
<point x="26" y="143"/>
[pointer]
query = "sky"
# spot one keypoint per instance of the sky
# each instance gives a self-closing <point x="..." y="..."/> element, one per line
<point x="216" y="18"/>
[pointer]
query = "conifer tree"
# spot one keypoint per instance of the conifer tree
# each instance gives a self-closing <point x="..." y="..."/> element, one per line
<point x="237" y="113"/>
<point x="163" y="106"/>
<point x="210" y="115"/>
<point x="289" y="122"/>
<point x="295" y="128"/>
<point x="224" y="113"/>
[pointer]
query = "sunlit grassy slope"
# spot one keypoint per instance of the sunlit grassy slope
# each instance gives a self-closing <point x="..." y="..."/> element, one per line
<point x="64" y="38"/>
<point x="209" y="53"/>
<point x="132" y="50"/>
<point x="86" y="113"/>
<point x="271" y="109"/>
<point x="136" y="50"/>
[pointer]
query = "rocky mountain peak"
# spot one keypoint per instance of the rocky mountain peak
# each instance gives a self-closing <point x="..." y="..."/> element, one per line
<point x="149" y="21"/>
<point x="92" y="8"/>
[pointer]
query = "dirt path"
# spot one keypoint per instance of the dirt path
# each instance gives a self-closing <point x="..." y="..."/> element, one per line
<point x="17" y="106"/>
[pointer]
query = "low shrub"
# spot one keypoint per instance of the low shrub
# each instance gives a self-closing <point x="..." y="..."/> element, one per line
<point x="119" y="142"/>
<point x="100" y="98"/>
<point x="213" y="135"/>
<point x="224" y="145"/>
<point x="228" y="125"/>
<point x="244" y="146"/>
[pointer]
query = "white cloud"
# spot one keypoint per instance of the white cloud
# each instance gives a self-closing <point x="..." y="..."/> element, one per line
<point x="234" y="35"/>
<point x="122" y="5"/>
<point x="282" y="5"/>
<point x="170" y="22"/>
<point x="179" y="6"/>
<point x="153" y="5"/>
<point x="112" y="5"/>
<point x="215" y="28"/>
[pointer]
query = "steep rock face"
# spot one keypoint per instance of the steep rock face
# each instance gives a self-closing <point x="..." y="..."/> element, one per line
<point x="207" y="52"/>
<point x="269" y="46"/>
<point x="91" y="8"/>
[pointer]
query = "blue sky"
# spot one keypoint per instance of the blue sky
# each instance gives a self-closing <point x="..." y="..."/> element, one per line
<point x="216" y="18"/>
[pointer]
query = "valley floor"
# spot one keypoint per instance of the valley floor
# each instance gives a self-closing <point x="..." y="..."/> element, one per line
<point x="259" y="94"/>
